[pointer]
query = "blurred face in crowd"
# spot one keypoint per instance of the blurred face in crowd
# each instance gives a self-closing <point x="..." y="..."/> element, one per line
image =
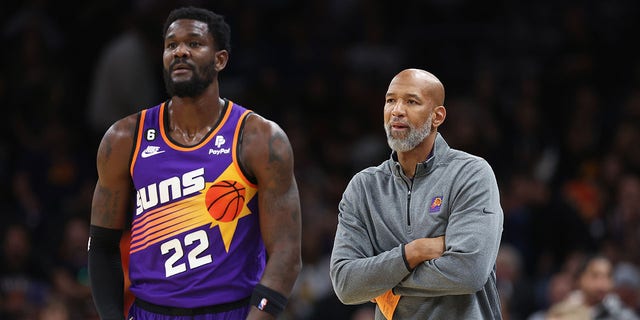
<point x="189" y="58"/>
<point x="409" y="109"/>
<point x="595" y="282"/>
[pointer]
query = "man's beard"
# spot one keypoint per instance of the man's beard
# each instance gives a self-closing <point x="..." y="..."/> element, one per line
<point x="192" y="87"/>
<point x="413" y="138"/>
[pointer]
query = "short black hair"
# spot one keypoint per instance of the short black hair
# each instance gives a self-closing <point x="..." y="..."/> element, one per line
<point x="218" y="27"/>
<point x="586" y="261"/>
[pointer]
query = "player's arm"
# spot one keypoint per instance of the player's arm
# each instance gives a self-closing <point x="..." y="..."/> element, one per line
<point x="111" y="200"/>
<point x="423" y="249"/>
<point x="267" y="154"/>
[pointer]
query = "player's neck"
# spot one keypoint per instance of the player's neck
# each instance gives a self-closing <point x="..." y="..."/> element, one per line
<point x="409" y="160"/>
<point x="202" y="109"/>
<point x="190" y="119"/>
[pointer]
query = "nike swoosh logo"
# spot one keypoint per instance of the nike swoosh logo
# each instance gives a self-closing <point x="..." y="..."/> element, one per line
<point x="147" y="154"/>
<point x="484" y="210"/>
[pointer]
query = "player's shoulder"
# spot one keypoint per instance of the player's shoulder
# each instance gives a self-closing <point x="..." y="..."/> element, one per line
<point x="467" y="166"/>
<point x="122" y="132"/>
<point x="260" y="127"/>
<point x="374" y="174"/>
<point x="115" y="148"/>
<point x="125" y="126"/>
<point x="461" y="155"/>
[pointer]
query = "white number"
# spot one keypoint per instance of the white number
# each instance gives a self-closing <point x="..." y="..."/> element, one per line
<point x="194" y="258"/>
<point x="203" y="244"/>
<point x="151" y="135"/>
<point x="169" y="267"/>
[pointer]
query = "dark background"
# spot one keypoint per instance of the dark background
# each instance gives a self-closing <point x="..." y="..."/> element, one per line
<point x="547" y="91"/>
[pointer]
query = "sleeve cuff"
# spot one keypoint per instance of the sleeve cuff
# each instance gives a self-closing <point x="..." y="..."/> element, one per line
<point x="404" y="258"/>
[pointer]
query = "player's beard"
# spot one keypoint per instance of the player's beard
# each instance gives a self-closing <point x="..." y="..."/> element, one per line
<point x="411" y="139"/>
<point x="193" y="87"/>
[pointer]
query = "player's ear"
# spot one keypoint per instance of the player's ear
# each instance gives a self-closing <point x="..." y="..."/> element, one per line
<point x="439" y="114"/>
<point x="222" y="56"/>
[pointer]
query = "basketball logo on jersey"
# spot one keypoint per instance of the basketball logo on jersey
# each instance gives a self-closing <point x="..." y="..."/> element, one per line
<point x="225" y="200"/>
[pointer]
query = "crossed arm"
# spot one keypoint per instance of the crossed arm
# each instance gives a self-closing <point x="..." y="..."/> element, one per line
<point x="364" y="267"/>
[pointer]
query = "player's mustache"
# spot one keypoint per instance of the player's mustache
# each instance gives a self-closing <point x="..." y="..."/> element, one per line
<point x="398" y="120"/>
<point x="180" y="61"/>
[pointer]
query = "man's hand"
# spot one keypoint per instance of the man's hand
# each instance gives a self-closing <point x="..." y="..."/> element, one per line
<point x="423" y="249"/>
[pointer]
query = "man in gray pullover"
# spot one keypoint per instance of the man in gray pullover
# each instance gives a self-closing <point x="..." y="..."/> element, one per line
<point x="419" y="234"/>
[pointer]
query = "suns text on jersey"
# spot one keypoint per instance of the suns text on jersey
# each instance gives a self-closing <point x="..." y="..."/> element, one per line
<point x="169" y="189"/>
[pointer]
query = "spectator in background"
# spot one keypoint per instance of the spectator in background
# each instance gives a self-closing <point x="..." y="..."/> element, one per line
<point x="70" y="277"/>
<point x="516" y="293"/>
<point x="568" y="311"/>
<point x="626" y="278"/>
<point x="556" y="290"/>
<point x="23" y="277"/>
<point x="127" y="76"/>
<point x="594" y="290"/>
<point x="52" y="182"/>
<point x="56" y="309"/>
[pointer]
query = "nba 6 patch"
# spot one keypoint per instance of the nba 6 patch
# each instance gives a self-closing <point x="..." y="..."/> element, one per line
<point x="436" y="203"/>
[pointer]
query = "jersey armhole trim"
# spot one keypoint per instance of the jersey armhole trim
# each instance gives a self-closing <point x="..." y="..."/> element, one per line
<point x="236" y="149"/>
<point x="137" y="141"/>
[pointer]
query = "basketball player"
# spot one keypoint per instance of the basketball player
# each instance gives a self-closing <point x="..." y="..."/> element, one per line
<point x="419" y="234"/>
<point x="210" y="190"/>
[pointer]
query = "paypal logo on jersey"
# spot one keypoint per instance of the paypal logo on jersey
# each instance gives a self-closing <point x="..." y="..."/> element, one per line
<point x="219" y="142"/>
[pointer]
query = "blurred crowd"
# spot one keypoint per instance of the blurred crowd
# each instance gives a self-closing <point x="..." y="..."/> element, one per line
<point x="547" y="91"/>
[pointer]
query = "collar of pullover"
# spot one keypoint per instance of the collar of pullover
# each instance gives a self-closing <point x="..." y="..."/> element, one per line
<point x="440" y="148"/>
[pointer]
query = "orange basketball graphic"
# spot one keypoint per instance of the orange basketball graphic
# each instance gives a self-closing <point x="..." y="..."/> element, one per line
<point x="225" y="200"/>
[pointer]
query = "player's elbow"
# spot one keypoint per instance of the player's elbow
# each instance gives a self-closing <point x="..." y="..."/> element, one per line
<point x="472" y="282"/>
<point x="297" y="266"/>
<point x="346" y="292"/>
<point x="347" y="296"/>
<point x="339" y="286"/>
<point x="295" y="262"/>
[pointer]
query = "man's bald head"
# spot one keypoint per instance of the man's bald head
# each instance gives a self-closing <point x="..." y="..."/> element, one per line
<point x="413" y="110"/>
<point x="430" y="84"/>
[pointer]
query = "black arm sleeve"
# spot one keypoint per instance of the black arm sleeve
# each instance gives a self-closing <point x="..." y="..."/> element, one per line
<point x="105" y="272"/>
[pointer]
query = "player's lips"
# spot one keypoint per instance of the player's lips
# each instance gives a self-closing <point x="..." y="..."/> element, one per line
<point x="398" y="125"/>
<point x="181" y="68"/>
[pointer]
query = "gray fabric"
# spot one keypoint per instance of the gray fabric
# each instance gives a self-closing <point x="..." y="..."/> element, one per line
<point x="381" y="210"/>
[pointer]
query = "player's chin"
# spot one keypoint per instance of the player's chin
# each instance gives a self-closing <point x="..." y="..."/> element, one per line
<point x="399" y="134"/>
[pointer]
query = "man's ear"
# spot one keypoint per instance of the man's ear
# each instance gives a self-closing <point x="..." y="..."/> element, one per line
<point x="222" y="57"/>
<point x="439" y="114"/>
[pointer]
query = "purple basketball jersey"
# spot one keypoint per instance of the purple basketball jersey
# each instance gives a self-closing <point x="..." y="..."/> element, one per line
<point x="184" y="252"/>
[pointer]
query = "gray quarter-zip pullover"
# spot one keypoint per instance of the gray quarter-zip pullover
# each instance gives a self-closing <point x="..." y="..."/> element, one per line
<point x="454" y="194"/>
